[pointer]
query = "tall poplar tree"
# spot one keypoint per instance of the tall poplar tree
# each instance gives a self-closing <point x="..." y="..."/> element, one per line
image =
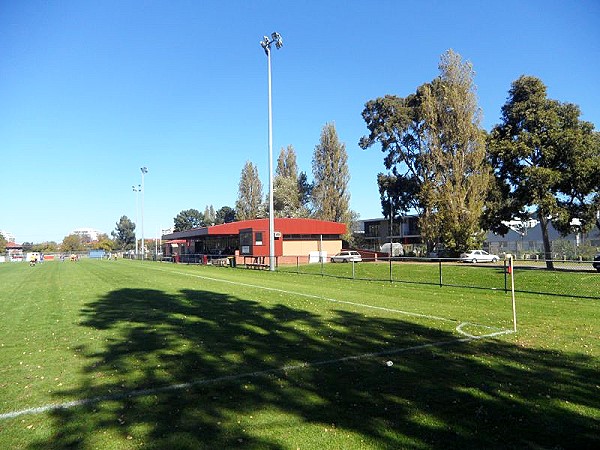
<point x="249" y="204"/>
<point x="435" y="155"/>
<point x="288" y="192"/>
<point x="330" y="195"/>
<point x="210" y="216"/>
<point x="460" y="175"/>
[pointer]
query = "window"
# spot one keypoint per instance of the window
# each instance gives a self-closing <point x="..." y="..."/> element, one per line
<point x="245" y="238"/>
<point x="258" y="238"/>
<point x="372" y="229"/>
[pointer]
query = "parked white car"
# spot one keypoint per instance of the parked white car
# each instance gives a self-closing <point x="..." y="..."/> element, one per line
<point x="347" y="256"/>
<point x="476" y="256"/>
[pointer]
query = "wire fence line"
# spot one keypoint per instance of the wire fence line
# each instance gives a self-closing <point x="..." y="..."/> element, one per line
<point x="568" y="278"/>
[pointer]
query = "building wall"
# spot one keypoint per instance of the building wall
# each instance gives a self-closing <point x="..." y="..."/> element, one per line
<point x="304" y="247"/>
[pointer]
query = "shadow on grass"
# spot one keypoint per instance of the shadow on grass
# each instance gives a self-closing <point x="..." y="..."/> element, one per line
<point x="480" y="394"/>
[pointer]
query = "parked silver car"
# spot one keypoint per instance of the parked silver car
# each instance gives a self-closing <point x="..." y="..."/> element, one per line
<point x="476" y="256"/>
<point x="347" y="256"/>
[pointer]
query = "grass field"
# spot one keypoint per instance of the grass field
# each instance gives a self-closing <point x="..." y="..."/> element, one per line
<point x="125" y="354"/>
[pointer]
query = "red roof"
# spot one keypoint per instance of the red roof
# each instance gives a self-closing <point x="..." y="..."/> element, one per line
<point x="285" y="226"/>
<point x="13" y="245"/>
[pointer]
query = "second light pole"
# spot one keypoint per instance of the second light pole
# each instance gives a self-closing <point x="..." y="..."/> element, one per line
<point x="144" y="171"/>
<point x="137" y="212"/>
<point x="266" y="45"/>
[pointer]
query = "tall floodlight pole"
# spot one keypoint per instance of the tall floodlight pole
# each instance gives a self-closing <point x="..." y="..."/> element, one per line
<point x="266" y="45"/>
<point x="391" y="233"/>
<point x="137" y="212"/>
<point x="144" y="171"/>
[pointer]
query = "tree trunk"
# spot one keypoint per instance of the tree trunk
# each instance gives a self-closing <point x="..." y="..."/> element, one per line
<point x="546" y="239"/>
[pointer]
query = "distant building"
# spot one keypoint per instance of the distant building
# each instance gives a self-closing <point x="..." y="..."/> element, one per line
<point x="8" y="235"/>
<point x="525" y="239"/>
<point x="376" y="232"/>
<point x="14" y="252"/>
<point x="87" y="234"/>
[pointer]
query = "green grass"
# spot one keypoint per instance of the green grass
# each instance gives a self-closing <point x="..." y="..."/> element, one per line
<point x="251" y="359"/>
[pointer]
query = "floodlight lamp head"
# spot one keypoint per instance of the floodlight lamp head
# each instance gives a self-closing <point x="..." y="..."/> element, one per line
<point x="277" y="39"/>
<point x="144" y="169"/>
<point x="265" y="44"/>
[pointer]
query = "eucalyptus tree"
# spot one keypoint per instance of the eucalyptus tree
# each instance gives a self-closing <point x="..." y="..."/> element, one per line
<point x="547" y="158"/>
<point x="249" y="204"/>
<point x="435" y="155"/>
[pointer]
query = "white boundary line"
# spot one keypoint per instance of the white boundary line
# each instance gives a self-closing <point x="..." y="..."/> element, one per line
<point x="176" y="387"/>
<point x="333" y="300"/>
<point x="227" y="378"/>
<point x="459" y="327"/>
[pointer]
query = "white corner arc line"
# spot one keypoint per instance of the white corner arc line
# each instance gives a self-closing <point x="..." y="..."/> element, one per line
<point x="460" y="330"/>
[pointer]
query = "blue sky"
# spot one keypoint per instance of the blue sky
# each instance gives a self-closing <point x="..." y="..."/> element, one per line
<point x="90" y="91"/>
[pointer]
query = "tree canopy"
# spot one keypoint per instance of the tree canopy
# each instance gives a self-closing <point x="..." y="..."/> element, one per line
<point x="547" y="159"/>
<point x="3" y="243"/>
<point x="289" y="190"/>
<point x="124" y="234"/>
<point x="225" y="214"/>
<point x="249" y="204"/>
<point x="210" y="215"/>
<point x="435" y="155"/>
<point x="330" y="195"/>
<point x="103" y="243"/>
<point x="45" y="247"/>
<point x="72" y="243"/>
<point x="188" y="219"/>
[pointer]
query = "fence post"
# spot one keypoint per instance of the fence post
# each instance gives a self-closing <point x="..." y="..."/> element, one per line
<point x="441" y="280"/>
